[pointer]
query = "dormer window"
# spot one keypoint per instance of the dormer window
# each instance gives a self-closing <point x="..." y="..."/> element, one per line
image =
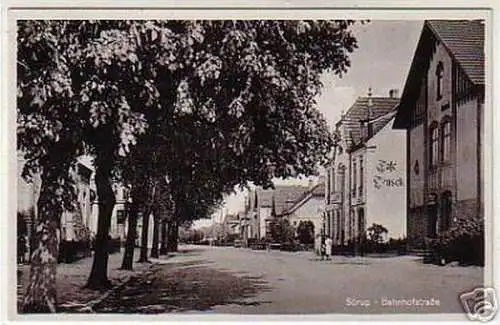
<point x="439" y="80"/>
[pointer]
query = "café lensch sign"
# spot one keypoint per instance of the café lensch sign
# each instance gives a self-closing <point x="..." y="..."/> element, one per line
<point x="387" y="176"/>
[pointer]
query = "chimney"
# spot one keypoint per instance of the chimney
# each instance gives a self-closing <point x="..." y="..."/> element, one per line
<point x="393" y="93"/>
<point x="366" y="125"/>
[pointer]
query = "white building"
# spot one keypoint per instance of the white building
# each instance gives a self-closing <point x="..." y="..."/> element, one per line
<point x="366" y="176"/>
<point x="386" y="180"/>
<point x="308" y="207"/>
<point x="260" y="205"/>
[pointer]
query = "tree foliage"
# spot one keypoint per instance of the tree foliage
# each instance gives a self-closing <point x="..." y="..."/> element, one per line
<point x="376" y="233"/>
<point x="217" y="103"/>
<point x="305" y="232"/>
<point x="282" y="231"/>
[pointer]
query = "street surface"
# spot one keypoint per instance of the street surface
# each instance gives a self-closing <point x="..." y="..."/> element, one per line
<point x="242" y="281"/>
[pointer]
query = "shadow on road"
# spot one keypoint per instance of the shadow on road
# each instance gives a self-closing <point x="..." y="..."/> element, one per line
<point x="186" y="286"/>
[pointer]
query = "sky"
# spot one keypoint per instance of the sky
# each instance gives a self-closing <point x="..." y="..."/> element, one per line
<point x="382" y="60"/>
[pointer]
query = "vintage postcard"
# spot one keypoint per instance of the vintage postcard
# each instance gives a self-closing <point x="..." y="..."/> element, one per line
<point x="264" y="162"/>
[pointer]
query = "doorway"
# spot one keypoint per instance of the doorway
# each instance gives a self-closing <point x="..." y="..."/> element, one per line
<point x="432" y="216"/>
<point x="361" y="221"/>
<point x="445" y="206"/>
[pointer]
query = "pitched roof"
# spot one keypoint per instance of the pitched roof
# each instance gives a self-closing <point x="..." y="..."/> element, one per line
<point x="317" y="191"/>
<point x="359" y="111"/>
<point x="284" y="197"/>
<point x="464" y="39"/>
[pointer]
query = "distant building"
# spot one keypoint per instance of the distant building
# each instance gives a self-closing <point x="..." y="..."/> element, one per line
<point x="308" y="207"/>
<point x="231" y="224"/>
<point x="74" y="225"/>
<point x="259" y="207"/>
<point x="442" y="110"/>
<point x="117" y="229"/>
<point x="365" y="178"/>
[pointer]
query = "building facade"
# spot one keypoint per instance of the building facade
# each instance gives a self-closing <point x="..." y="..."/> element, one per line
<point x="358" y="184"/>
<point x="74" y="225"/>
<point x="259" y="208"/>
<point x="308" y="207"/>
<point x="442" y="111"/>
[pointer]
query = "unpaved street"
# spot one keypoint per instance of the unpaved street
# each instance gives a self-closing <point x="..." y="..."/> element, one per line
<point x="243" y="281"/>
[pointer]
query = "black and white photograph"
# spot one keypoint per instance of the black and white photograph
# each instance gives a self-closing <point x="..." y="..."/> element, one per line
<point x="249" y="166"/>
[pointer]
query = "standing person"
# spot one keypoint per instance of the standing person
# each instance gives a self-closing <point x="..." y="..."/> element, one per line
<point x="317" y="245"/>
<point x="323" y="248"/>
<point x="328" y="250"/>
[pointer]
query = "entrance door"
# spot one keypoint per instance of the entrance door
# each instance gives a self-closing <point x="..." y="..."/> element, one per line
<point x="361" y="221"/>
<point x="432" y="213"/>
<point x="445" y="211"/>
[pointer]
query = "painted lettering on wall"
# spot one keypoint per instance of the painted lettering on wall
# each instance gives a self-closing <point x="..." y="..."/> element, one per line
<point x="386" y="175"/>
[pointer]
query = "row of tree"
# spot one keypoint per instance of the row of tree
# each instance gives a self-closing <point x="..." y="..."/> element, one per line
<point x="180" y="111"/>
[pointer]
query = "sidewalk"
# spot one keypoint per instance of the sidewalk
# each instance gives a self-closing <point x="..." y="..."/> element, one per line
<point x="336" y="259"/>
<point x="72" y="277"/>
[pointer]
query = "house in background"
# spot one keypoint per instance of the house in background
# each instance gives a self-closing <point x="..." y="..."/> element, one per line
<point x="356" y="193"/>
<point x="118" y="228"/>
<point x="385" y="197"/>
<point x="442" y="110"/>
<point x="260" y="205"/>
<point x="308" y="207"/>
<point x="231" y="225"/>
<point x="74" y="225"/>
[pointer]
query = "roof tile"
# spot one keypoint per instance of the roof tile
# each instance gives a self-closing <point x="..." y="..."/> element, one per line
<point x="284" y="197"/>
<point x="359" y="111"/>
<point x="465" y="40"/>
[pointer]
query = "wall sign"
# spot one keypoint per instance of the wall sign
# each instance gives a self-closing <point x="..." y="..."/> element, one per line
<point x="385" y="177"/>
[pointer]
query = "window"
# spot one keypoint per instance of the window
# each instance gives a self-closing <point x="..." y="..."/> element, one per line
<point x="340" y="178"/>
<point x="446" y="141"/>
<point x="328" y="223"/>
<point x="332" y="180"/>
<point x="126" y="194"/>
<point x="354" y="177"/>
<point x="328" y="186"/>
<point x="361" y="177"/>
<point x="339" y="225"/>
<point x="361" y="221"/>
<point x="434" y="145"/>
<point x="120" y="217"/>
<point x="439" y="80"/>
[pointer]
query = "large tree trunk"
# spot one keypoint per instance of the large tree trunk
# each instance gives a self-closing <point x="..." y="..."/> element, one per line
<point x="156" y="234"/>
<point x="163" y="232"/>
<point x="144" y="236"/>
<point x="98" y="278"/>
<point x="173" y="232"/>
<point x="41" y="294"/>
<point x="145" y="224"/>
<point x="128" y="257"/>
